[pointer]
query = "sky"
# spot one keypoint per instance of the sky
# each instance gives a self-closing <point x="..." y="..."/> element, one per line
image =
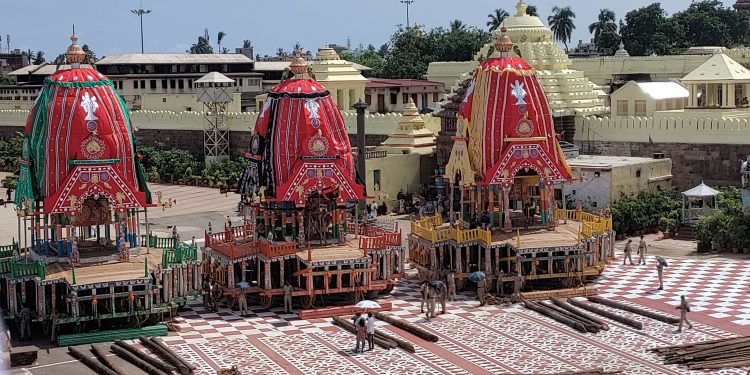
<point x="109" y="27"/>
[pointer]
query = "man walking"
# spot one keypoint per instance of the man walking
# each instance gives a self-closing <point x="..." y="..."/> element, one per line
<point x="288" y="289"/>
<point x="430" y="302"/>
<point x="684" y="309"/>
<point x="371" y="331"/>
<point x="481" y="287"/>
<point x="642" y="252"/>
<point x="423" y="292"/>
<point x="660" y="272"/>
<point x="242" y="301"/>
<point x="451" y="281"/>
<point x="628" y="251"/>
<point x="499" y="287"/>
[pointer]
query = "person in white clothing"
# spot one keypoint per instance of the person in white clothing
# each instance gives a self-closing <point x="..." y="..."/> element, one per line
<point x="371" y="331"/>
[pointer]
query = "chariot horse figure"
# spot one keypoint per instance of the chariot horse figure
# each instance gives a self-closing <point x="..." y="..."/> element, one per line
<point x="441" y="293"/>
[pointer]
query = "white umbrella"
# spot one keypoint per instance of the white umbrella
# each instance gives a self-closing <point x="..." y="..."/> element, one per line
<point x="367" y="304"/>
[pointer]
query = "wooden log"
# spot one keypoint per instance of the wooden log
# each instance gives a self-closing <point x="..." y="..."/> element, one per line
<point x="590" y="326"/>
<point x="136" y="361"/>
<point x="635" y="310"/>
<point x="160" y="342"/>
<point x="562" y="304"/>
<point x="92" y="363"/>
<point x="740" y="362"/>
<point x="618" y="318"/>
<point x="722" y="349"/>
<point x="163" y="367"/>
<point x="575" y="324"/>
<point x="701" y="348"/>
<point x="349" y="326"/>
<point x="328" y="312"/>
<point x="711" y="343"/>
<point x="169" y="357"/>
<point x="403" y="344"/>
<point x="105" y="360"/>
<point x="408" y="327"/>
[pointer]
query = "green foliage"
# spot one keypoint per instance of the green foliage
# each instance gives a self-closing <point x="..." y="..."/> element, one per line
<point x="708" y="23"/>
<point x="10" y="151"/>
<point x="531" y="10"/>
<point x="704" y="23"/>
<point x="368" y="58"/>
<point x="39" y="58"/>
<point x="201" y="47"/>
<point x="604" y="23"/>
<point x="728" y="228"/>
<point x="7" y="80"/>
<point x="643" y="211"/>
<point x="180" y="166"/>
<point x="413" y="49"/>
<point x="562" y="25"/>
<point x="608" y="41"/>
<point x="668" y="225"/>
<point x="90" y="55"/>
<point x="10" y="181"/>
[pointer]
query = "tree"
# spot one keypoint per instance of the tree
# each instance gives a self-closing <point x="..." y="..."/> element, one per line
<point x="7" y="80"/>
<point x="531" y="10"/>
<point x="90" y="55"/>
<point x="457" y="25"/>
<point x="281" y="53"/>
<point x="708" y="23"/>
<point x="39" y="58"/>
<point x="219" y="38"/>
<point x="367" y="58"/>
<point x="561" y="24"/>
<point x="224" y="50"/>
<point x="608" y="42"/>
<point x="246" y="44"/>
<point x="605" y="22"/>
<point x="497" y="18"/>
<point x="297" y="47"/>
<point x="371" y="48"/>
<point x="648" y="30"/>
<point x="257" y="57"/>
<point x="383" y="50"/>
<point x="201" y="47"/>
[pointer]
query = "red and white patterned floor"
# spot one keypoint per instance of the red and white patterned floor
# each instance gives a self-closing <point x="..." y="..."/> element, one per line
<point x="482" y="340"/>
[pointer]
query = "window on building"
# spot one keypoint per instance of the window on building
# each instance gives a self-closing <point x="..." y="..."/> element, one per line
<point x="368" y="98"/>
<point x="135" y="84"/>
<point x="190" y="83"/>
<point x="660" y="105"/>
<point x="153" y="84"/>
<point x="172" y="84"/>
<point x="376" y="179"/>
<point x="435" y="97"/>
<point x="163" y="100"/>
<point x="240" y="81"/>
<point x="640" y="108"/>
<point x="622" y="108"/>
<point x="394" y="99"/>
<point x="181" y="83"/>
<point x="405" y="98"/>
<point x="143" y="83"/>
<point x="164" y="83"/>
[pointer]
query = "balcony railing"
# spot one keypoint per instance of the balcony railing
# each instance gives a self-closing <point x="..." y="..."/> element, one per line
<point x="691" y="215"/>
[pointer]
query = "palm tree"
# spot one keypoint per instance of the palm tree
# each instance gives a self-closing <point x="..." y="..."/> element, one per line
<point x="531" y="10"/>
<point x="457" y="25"/>
<point x="224" y="50"/>
<point x="497" y="18"/>
<point x="219" y="39"/>
<point x="246" y="44"/>
<point x="39" y="58"/>
<point x="297" y="47"/>
<point x="202" y="47"/>
<point x="280" y="53"/>
<point x="561" y="24"/>
<point x="605" y="22"/>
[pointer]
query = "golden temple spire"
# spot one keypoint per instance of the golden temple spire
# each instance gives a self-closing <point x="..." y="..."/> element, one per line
<point x="503" y="44"/>
<point x="298" y="65"/>
<point x="75" y="54"/>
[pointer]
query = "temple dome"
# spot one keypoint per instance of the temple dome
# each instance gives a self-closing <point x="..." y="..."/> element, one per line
<point x="525" y="28"/>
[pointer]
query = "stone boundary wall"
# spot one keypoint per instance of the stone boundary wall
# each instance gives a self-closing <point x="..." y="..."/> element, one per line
<point x="667" y="129"/>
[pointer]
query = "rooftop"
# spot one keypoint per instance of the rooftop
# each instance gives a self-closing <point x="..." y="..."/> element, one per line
<point x="270" y="66"/>
<point x="393" y="83"/>
<point x="601" y="161"/>
<point x="719" y="67"/>
<point x="43" y="69"/>
<point x="175" y="58"/>
<point x="663" y="90"/>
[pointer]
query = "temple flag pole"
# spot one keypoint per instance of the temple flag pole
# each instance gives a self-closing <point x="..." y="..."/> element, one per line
<point x="360" y="106"/>
<point x="145" y="267"/>
<point x="73" y="271"/>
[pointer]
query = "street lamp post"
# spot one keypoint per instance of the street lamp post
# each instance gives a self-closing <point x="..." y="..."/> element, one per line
<point x="407" y="2"/>
<point x="140" y="12"/>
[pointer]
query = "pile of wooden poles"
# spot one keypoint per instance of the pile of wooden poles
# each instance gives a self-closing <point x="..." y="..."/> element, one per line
<point x="708" y="355"/>
<point x="167" y="363"/>
<point x="567" y="314"/>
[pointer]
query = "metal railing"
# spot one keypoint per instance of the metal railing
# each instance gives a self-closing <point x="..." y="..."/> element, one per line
<point x="691" y="215"/>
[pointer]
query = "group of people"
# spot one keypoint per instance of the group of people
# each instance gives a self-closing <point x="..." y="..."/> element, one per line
<point x="211" y="292"/>
<point x="365" y="330"/>
<point x="433" y="292"/>
<point x="641" y="252"/>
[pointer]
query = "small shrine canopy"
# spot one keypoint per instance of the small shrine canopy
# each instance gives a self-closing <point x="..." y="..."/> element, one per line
<point x="701" y="191"/>
<point x="214" y="77"/>
<point x="715" y="83"/>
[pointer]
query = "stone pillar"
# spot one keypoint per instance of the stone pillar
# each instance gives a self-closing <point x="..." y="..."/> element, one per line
<point x="691" y="97"/>
<point x="281" y="272"/>
<point x="267" y="276"/>
<point x="724" y="95"/>
<point x="40" y="297"/>
<point x="731" y="103"/>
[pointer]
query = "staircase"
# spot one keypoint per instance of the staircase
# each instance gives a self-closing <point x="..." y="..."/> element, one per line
<point x="685" y="233"/>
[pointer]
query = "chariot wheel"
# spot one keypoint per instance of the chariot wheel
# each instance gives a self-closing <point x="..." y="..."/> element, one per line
<point x="266" y="301"/>
<point x="305" y="301"/>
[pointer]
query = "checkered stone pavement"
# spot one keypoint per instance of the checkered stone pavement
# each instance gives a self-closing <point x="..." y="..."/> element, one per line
<point x="717" y="288"/>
